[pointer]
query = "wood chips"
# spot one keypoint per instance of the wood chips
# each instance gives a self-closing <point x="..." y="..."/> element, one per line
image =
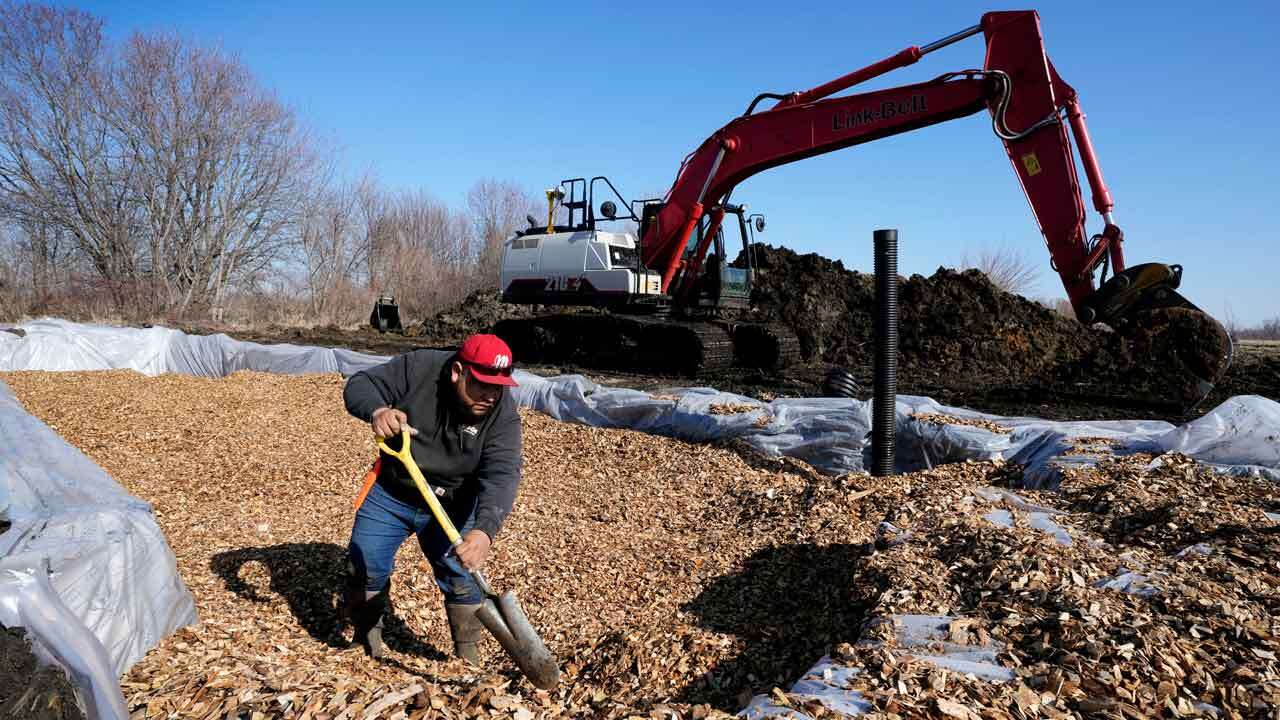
<point x="940" y="419"/>
<point x="671" y="579"/>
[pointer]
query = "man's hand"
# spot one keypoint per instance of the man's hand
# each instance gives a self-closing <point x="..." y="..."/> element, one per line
<point x="388" y="422"/>
<point x="474" y="549"/>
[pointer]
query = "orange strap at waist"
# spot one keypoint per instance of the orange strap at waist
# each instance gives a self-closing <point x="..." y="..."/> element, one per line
<point x="369" y="479"/>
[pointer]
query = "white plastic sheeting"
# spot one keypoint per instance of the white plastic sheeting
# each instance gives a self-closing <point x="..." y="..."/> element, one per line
<point x="1242" y="435"/>
<point x="62" y="345"/>
<point x="921" y="637"/>
<point x="84" y="566"/>
<point x="1239" y="437"/>
<point x="926" y="637"/>
<point x="825" y="682"/>
<point x="28" y="600"/>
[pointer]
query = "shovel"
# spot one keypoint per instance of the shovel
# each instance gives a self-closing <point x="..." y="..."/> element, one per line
<point x="502" y="615"/>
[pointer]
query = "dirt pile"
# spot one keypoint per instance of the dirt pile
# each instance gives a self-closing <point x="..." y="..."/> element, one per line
<point x="952" y="323"/>
<point x="957" y="330"/>
<point x="479" y="312"/>
<point x="446" y="329"/>
<point x="28" y="690"/>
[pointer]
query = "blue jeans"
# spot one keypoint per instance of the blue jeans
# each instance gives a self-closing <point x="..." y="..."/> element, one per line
<point x="383" y="523"/>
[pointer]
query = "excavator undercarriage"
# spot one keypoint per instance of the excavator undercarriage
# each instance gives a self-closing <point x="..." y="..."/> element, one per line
<point x="650" y="344"/>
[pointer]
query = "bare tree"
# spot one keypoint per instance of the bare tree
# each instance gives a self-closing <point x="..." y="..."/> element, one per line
<point x="426" y="252"/>
<point x="497" y="209"/>
<point x="1230" y="324"/>
<point x="168" y="167"/>
<point x="334" y="245"/>
<point x="12" y="302"/>
<point x="221" y="165"/>
<point x="1267" y="330"/>
<point x="374" y="209"/>
<point x="1271" y="329"/>
<point x="1060" y="305"/>
<point x="1006" y="268"/>
<point x="61" y="163"/>
<point x="157" y="176"/>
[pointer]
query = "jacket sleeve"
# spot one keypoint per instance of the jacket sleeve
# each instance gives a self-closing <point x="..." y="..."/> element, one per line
<point x="383" y="385"/>
<point x="499" y="472"/>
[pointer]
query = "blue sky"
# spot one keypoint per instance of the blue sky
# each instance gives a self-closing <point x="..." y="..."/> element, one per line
<point x="1181" y="104"/>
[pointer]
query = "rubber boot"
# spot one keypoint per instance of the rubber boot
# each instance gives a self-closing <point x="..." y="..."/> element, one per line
<point x="364" y="610"/>
<point x="467" y="631"/>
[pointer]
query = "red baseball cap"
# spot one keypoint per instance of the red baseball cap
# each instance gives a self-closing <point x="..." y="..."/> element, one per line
<point x="488" y="358"/>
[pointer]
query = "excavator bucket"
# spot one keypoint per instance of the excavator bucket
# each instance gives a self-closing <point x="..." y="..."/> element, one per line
<point x="1185" y="351"/>
<point x="386" y="315"/>
<point x="1193" y="349"/>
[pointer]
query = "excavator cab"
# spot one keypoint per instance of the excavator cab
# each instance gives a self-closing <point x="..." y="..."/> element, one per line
<point x="724" y="282"/>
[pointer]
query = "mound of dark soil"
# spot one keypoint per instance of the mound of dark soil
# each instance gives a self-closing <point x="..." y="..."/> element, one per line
<point x="479" y="312"/>
<point x="957" y="330"/>
<point x="28" y="690"/>
<point x="951" y="323"/>
<point x="1256" y="371"/>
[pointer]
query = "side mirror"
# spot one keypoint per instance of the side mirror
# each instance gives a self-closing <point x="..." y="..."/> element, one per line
<point x="759" y="223"/>
<point x="608" y="209"/>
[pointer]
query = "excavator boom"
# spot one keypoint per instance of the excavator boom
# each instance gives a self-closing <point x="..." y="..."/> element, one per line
<point x="1031" y="108"/>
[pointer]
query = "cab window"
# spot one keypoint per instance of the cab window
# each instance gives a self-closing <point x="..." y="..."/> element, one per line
<point x="620" y="257"/>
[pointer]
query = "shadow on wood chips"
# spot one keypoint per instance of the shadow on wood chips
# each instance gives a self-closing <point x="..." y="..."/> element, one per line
<point x="29" y="691"/>
<point x="308" y="576"/>
<point x="790" y="604"/>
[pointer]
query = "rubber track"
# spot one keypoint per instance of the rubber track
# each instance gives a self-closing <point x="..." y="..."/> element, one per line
<point x="766" y="346"/>
<point x="789" y="352"/>
<point x="620" y="342"/>
<point x="717" y="346"/>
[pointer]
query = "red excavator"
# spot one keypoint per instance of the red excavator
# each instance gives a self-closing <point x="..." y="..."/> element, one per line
<point x="663" y="271"/>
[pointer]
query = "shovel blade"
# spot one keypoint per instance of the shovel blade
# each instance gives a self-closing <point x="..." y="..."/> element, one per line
<point x="508" y="624"/>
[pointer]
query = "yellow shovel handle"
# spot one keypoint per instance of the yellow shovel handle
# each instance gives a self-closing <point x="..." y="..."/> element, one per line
<point x="405" y="456"/>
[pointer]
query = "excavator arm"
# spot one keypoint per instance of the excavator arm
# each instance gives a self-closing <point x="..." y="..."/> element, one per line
<point x="1031" y="108"/>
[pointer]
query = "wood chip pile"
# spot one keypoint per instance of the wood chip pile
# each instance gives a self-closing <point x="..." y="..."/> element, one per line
<point x="673" y="580"/>
<point x="1203" y="633"/>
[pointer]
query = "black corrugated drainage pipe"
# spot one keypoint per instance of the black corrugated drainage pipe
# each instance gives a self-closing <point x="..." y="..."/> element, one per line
<point x="884" y="441"/>
<point x="840" y="383"/>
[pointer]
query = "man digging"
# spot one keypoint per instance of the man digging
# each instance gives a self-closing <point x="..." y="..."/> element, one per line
<point x="465" y="435"/>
